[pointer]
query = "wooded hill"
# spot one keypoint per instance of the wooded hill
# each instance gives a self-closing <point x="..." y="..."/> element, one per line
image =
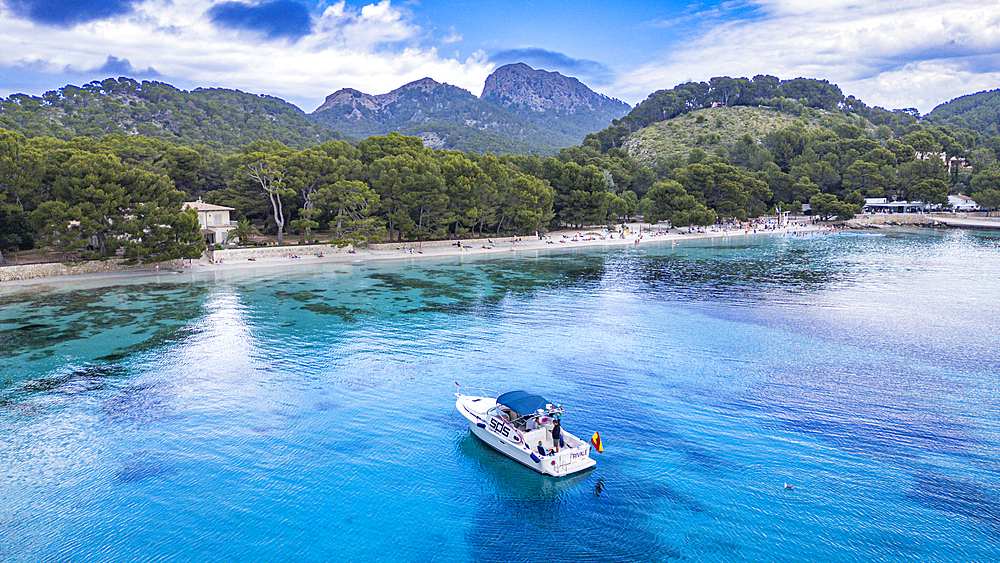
<point x="711" y="128"/>
<point x="733" y="142"/>
<point x="214" y="117"/>
<point x="801" y="97"/>
<point x="978" y="112"/>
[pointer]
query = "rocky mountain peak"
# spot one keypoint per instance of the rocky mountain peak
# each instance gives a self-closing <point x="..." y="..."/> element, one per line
<point x="349" y="97"/>
<point x="521" y="110"/>
<point x="424" y="84"/>
<point x="520" y="85"/>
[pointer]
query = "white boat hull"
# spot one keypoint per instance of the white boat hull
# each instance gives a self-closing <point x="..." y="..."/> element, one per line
<point x="521" y="446"/>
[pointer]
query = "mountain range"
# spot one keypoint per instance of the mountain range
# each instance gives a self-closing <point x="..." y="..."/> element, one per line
<point x="521" y="110"/>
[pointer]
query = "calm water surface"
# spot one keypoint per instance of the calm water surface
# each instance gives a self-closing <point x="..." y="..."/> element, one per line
<point x="307" y="414"/>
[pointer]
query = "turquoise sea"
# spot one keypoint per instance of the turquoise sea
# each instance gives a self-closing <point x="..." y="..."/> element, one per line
<point x="307" y="414"/>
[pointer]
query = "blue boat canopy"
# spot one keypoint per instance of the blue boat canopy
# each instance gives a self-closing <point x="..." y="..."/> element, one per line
<point x="522" y="402"/>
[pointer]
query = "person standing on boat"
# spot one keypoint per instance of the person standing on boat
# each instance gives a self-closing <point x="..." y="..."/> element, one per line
<point x="557" y="439"/>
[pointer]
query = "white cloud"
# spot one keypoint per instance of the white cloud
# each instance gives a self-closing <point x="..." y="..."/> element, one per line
<point x="452" y="37"/>
<point x="914" y="55"/>
<point x="373" y="49"/>
<point x="374" y="24"/>
<point x="924" y="85"/>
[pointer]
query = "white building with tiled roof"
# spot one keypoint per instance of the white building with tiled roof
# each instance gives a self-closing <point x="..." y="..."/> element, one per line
<point x="214" y="220"/>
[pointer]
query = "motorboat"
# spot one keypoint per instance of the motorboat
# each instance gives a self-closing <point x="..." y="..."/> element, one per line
<point x="519" y="425"/>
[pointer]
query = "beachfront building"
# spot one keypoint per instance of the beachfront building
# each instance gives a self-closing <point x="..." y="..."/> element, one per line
<point x="214" y="220"/>
<point x="882" y="205"/>
<point x="962" y="203"/>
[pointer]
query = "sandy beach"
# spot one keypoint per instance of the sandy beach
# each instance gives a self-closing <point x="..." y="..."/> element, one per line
<point x="555" y="241"/>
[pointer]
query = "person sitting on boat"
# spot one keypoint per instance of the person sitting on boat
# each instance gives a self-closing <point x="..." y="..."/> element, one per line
<point x="542" y="450"/>
<point x="542" y="419"/>
<point x="533" y="423"/>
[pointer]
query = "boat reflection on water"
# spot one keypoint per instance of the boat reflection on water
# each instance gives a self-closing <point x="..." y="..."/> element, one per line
<point x="515" y="480"/>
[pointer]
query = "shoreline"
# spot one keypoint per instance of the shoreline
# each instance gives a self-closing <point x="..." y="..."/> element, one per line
<point x="937" y="220"/>
<point x="558" y="240"/>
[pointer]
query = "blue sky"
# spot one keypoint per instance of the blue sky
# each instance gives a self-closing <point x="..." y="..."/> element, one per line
<point x="914" y="55"/>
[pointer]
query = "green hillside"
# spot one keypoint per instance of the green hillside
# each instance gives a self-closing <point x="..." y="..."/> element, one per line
<point x="714" y="128"/>
<point x="979" y="112"/>
<point x="219" y="118"/>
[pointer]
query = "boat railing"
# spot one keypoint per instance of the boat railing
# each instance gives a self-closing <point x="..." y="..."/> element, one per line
<point x="460" y="390"/>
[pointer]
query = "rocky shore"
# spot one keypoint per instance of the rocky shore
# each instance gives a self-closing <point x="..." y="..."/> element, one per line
<point x="958" y="221"/>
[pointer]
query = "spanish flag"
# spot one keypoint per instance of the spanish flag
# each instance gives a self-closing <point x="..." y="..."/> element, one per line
<point x="595" y="441"/>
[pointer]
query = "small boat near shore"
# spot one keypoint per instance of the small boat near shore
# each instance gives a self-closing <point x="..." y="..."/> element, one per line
<point x="519" y="424"/>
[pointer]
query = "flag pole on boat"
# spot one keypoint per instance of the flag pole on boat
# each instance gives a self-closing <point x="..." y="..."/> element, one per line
<point x="595" y="441"/>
